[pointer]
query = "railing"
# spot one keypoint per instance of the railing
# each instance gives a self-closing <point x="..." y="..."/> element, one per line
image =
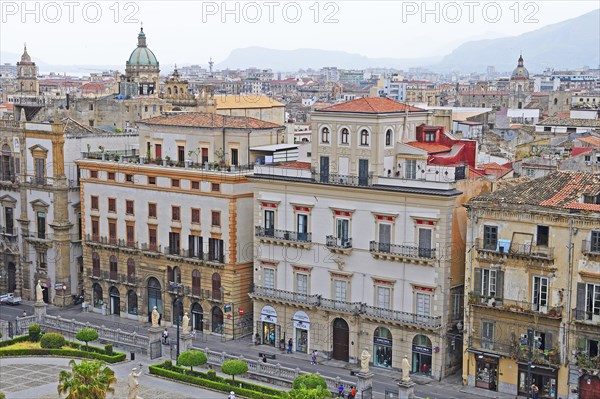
<point x="586" y="315"/>
<point x="527" y="250"/>
<point x="587" y="362"/>
<point x="94" y="272"/>
<point x="335" y="242"/>
<point x="514" y="305"/>
<point x="343" y="306"/>
<point x="9" y="232"/>
<point x="343" y="180"/>
<point x="403" y="317"/>
<point x="402" y="250"/>
<point x="185" y="253"/>
<point x="287" y="296"/>
<point x="113" y="275"/>
<point x="150" y="247"/>
<point x="285" y="235"/>
<point x="590" y="247"/>
<point x="9" y="124"/>
<point x="41" y="236"/>
<point x="550" y="357"/>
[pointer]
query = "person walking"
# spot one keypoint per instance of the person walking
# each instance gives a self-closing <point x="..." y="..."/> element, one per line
<point x="313" y="358"/>
<point x="165" y="335"/>
<point x="352" y="393"/>
<point x="340" y="390"/>
<point x="534" y="391"/>
<point x="231" y="395"/>
<point x="290" y="344"/>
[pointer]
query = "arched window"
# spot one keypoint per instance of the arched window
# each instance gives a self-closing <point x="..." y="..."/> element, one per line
<point x="364" y="137"/>
<point x="176" y="275"/>
<point x="113" y="267"/>
<point x="132" y="303"/>
<point x="345" y="136"/>
<point x="555" y="101"/>
<point x="97" y="299"/>
<point x="176" y="92"/>
<point x="95" y="264"/>
<point x="169" y="91"/>
<point x="216" y="286"/>
<point x="388" y="137"/>
<point x="196" y="283"/>
<point x="325" y="135"/>
<point x="130" y="271"/>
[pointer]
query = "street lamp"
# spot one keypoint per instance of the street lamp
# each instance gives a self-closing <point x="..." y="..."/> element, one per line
<point x="64" y="289"/>
<point x="177" y="287"/>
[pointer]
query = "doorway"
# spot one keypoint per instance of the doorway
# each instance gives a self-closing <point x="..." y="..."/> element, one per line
<point x="115" y="301"/>
<point x="341" y="340"/>
<point x="154" y="297"/>
<point x="197" y="317"/>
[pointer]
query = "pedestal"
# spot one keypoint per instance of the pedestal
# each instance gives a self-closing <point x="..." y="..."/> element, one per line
<point x="365" y="380"/>
<point x="185" y="342"/>
<point x="406" y="389"/>
<point x="39" y="310"/>
<point x="154" y="334"/>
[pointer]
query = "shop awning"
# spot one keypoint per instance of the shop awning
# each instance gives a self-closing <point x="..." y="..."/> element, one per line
<point x="486" y="354"/>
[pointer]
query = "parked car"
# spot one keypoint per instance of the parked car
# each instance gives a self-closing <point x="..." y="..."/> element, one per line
<point x="10" y="299"/>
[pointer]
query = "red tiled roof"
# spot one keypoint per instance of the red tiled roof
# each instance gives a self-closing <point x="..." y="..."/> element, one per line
<point x="93" y="86"/>
<point x="295" y="165"/>
<point x="583" y="207"/>
<point x="429" y="147"/>
<point x="595" y="141"/>
<point x="371" y="105"/>
<point x="209" y="120"/>
<point x="580" y="150"/>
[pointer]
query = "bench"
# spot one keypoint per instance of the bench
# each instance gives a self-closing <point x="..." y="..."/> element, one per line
<point x="267" y="355"/>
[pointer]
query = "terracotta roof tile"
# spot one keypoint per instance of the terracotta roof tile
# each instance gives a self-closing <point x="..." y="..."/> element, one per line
<point x="429" y="147"/>
<point x="372" y="105"/>
<point x="580" y="150"/>
<point x="209" y="120"/>
<point x="295" y="165"/>
<point x="576" y="122"/>
<point x="595" y="141"/>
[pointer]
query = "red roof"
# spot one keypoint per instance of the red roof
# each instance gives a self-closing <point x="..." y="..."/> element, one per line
<point x="372" y="105"/>
<point x="209" y="120"/>
<point x="592" y="140"/>
<point x="429" y="147"/>
<point x="583" y="207"/>
<point x="580" y="150"/>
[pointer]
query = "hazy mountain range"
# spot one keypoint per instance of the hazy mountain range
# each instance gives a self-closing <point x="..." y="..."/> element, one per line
<point x="568" y="44"/>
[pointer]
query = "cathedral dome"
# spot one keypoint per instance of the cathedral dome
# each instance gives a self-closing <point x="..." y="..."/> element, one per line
<point x="142" y="55"/>
<point x="520" y="72"/>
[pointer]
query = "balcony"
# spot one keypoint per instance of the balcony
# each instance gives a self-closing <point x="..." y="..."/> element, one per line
<point x="584" y="361"/>
<point x="151" y="249"/>
<point x="429" y="322"/>
<point x="40" y="237"/>
<point x="590" y="248"/>
<point x="587" y="316"/>
<point x="339" y="245"/>
<point x="341" y="306"/>
<point x="510" y="305"/>
<point x="402" y="253"/>
<point x="344" y="180"/>
<point x="94" y="273"/>
<point x="284" y="237"/>
<point x="512" y="250"/>
<point x="506" y="348"/>
<point x="9" y="233"/>
<point x="548" y="357"/>
<point x="285" y="297"/>
<point x="186" y="254"/>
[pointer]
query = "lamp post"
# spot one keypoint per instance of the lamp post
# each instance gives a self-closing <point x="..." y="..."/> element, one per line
<point x="529" y="355"/>
<point x="177" y="287"/>
<point x="64" y="289"/>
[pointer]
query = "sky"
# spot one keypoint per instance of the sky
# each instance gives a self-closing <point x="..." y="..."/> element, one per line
<point x="191" y="32"/>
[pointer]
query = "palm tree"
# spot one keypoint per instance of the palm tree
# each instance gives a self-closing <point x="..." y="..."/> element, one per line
<point x="87" y="380"/>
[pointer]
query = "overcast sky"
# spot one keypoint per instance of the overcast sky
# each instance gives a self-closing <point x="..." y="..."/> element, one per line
<point x="185" y="32"/>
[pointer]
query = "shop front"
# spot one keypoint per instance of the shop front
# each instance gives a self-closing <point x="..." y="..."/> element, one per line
<point x="486" y="371"/>
<point x="268" y="318"/>
<point x="545" y="378"/>
<point x="421" y="355"/>
<point x="301" y="330"/>
<point x="382" y="347"/>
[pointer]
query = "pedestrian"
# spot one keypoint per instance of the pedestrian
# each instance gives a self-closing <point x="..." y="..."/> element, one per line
<point x="313" y="358"/>
<point x="340" y="390"/>
<point x="264" y="359"/>
<point x="165" y="335"/>
<point x="231" y="395"/>
<point x="352" y="393"/>
<point x="290" y="344"/>
<point x="24" y="314"/>
<point x="534" y="391"/>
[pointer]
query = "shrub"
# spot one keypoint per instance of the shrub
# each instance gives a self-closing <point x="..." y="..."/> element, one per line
<point x="192" y="358"/>
<point x="86" y="335"/>
<point x="34" y="332"/>
<point x="2" y="396"/>
<point x="211" y="375"/>
<point x="234" y="367"/>
<point x="309" y="381"/>
<point x="108" y="349"/>
<point x="52" y="341"/>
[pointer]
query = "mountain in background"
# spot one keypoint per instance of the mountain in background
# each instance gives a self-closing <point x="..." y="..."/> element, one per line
<point x="568" y="44"/>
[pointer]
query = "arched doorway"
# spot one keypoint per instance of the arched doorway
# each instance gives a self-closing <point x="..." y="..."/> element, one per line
<point x="589" y="387"/>
<point x="217" y="320"/>
<point x="12" y="277"/>
<point x="177" y="309"/>
<point x="341" y="340"/>
<point x="154" y="297"/>
<point x="115" y="300"/>
<point x="197" y="317"/>
<point x="132" y="303"/>
<point x="421" y="355"/>
<point x="97" y="298"/>
<point x="216" y="286"/>
<point x="382" y="347"/>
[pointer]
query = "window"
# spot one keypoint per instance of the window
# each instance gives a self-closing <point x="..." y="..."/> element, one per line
<point x="215" y="218"/>
<point x="130" y="236"/>
<point x="269" y="223"/>
<point x="595" y="241"/>
<point x="384" y="236"/>
<point x="429" y="137"/>
<point x="40" y="170"/>
<point x="342" y="232"/>
<point x="301" y="283"/>
<point x="345" y="136"/>
<point x="91" y="122"/>
<point x="539" y="293"/>
<point x="547" y="128"/>
<point x="592" y="301"/>
<point x="340" y="290"/>
<point x="591" y="199"/>
<point x="204" y="155"/>
<point x="325" y="135"/>
<point x="423" y="304"/>
<point x="112" y="205"/>
<point x="111" y="176"/>
<point x="8" y="220"/>
<point x="384" y="297"/>
<point x="112" y="233"/>
<point x="410" y="169"/>
<point x="174" y="243"/>
<point x="95" y="231"/>
<point x="195" y="185"/>
<point x="215" y="250"/>
<point x="41" y="225"/>
<point x="175" y="213"/>
<point x="364" y="137"/>
<point x="488" y="282"/>
<point x="542" y="236"/>
<point x="269" y="278"/>
<point x="130" y="271"/>
<point x="195" y="216"/>
<point x="425" y="250"/>
<point x="151" y="210"/>
<point x="152" y="239"/>
<point x="195" y="246"/>
<point x="129" y="207"/>
<point x="180" y="153"/>
<point x="216" y="287"/>
<point x="215" y="187"/>
<point x="196" y="283"/>
<point x="388" y="137"/>
<point x="490" y="237"/>
<point x="94" y="202"/>
<point x="302" y="227"/>
<point x="42" y="260"/>
<point x="158" y="151"/>
<point x="487" y="335"/>
<point x="174" y="182"/>
<point x="112" y="267"/>
<point x="129" y="178"/>
<point x="94" y="174"/>
<point x="151" y="181"/>
<point x="571" y="130"/>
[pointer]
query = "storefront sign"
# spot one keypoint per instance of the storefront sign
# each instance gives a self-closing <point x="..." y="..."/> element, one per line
<point x="382" y="341"/>
<point x="421" y="349"/>
<point x="301" y="320"/>
<point x="268" y="314"/>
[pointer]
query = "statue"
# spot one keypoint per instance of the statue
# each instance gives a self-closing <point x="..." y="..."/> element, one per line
<point x="364" y="361"/>
<point x="186" y="323"/>
<point x="39" y="292"/>
<point x="133" y="384"/>
<point x="155" y="317"/>
<point x="405" y="370"/>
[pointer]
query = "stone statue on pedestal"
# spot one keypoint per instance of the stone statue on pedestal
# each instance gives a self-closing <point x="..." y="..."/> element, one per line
<point x="155" y="317"/>
<point x="405" y="369"/>
<point x="39" y="292"/>
<point x="364" y="361"/>
<point x="133" y="385"/>
<point x="186" y="323"/>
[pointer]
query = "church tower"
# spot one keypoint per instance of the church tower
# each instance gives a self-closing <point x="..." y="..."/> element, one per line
<point x="520" y="86"/>
<point x="27" y="83"/>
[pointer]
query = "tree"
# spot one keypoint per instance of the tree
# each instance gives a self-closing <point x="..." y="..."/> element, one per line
<point x="86" y="335"/>
<point x="306" y="393"/>
<point x="87" y="380"/>
<point x="192" y="358"/>
<point x="309" y="381"/>
<point x="234" y="367"/>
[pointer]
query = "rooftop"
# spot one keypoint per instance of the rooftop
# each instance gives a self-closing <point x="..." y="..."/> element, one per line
<point x="242" y="102"/>
<point x="574" y="122"/>
<point x="372" y="105"/>
<point x="209" y="120"/>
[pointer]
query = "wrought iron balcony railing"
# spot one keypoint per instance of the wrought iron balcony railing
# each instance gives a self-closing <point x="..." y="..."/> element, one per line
<point x="284" y="235"/>
<point x="335" y="242"/>
<point x="410" y="251"/>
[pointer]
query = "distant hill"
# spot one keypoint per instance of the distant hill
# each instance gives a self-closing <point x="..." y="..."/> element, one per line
<point x="568" y="44"/>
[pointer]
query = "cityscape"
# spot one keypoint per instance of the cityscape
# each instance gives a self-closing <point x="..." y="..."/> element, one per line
<point x="300" y="222"/>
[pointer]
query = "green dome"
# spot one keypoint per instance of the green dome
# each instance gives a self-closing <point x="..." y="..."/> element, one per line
<point x="142" y="55"/>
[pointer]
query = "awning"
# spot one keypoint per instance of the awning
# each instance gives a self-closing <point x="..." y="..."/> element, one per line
<point x="486" y="354"/>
